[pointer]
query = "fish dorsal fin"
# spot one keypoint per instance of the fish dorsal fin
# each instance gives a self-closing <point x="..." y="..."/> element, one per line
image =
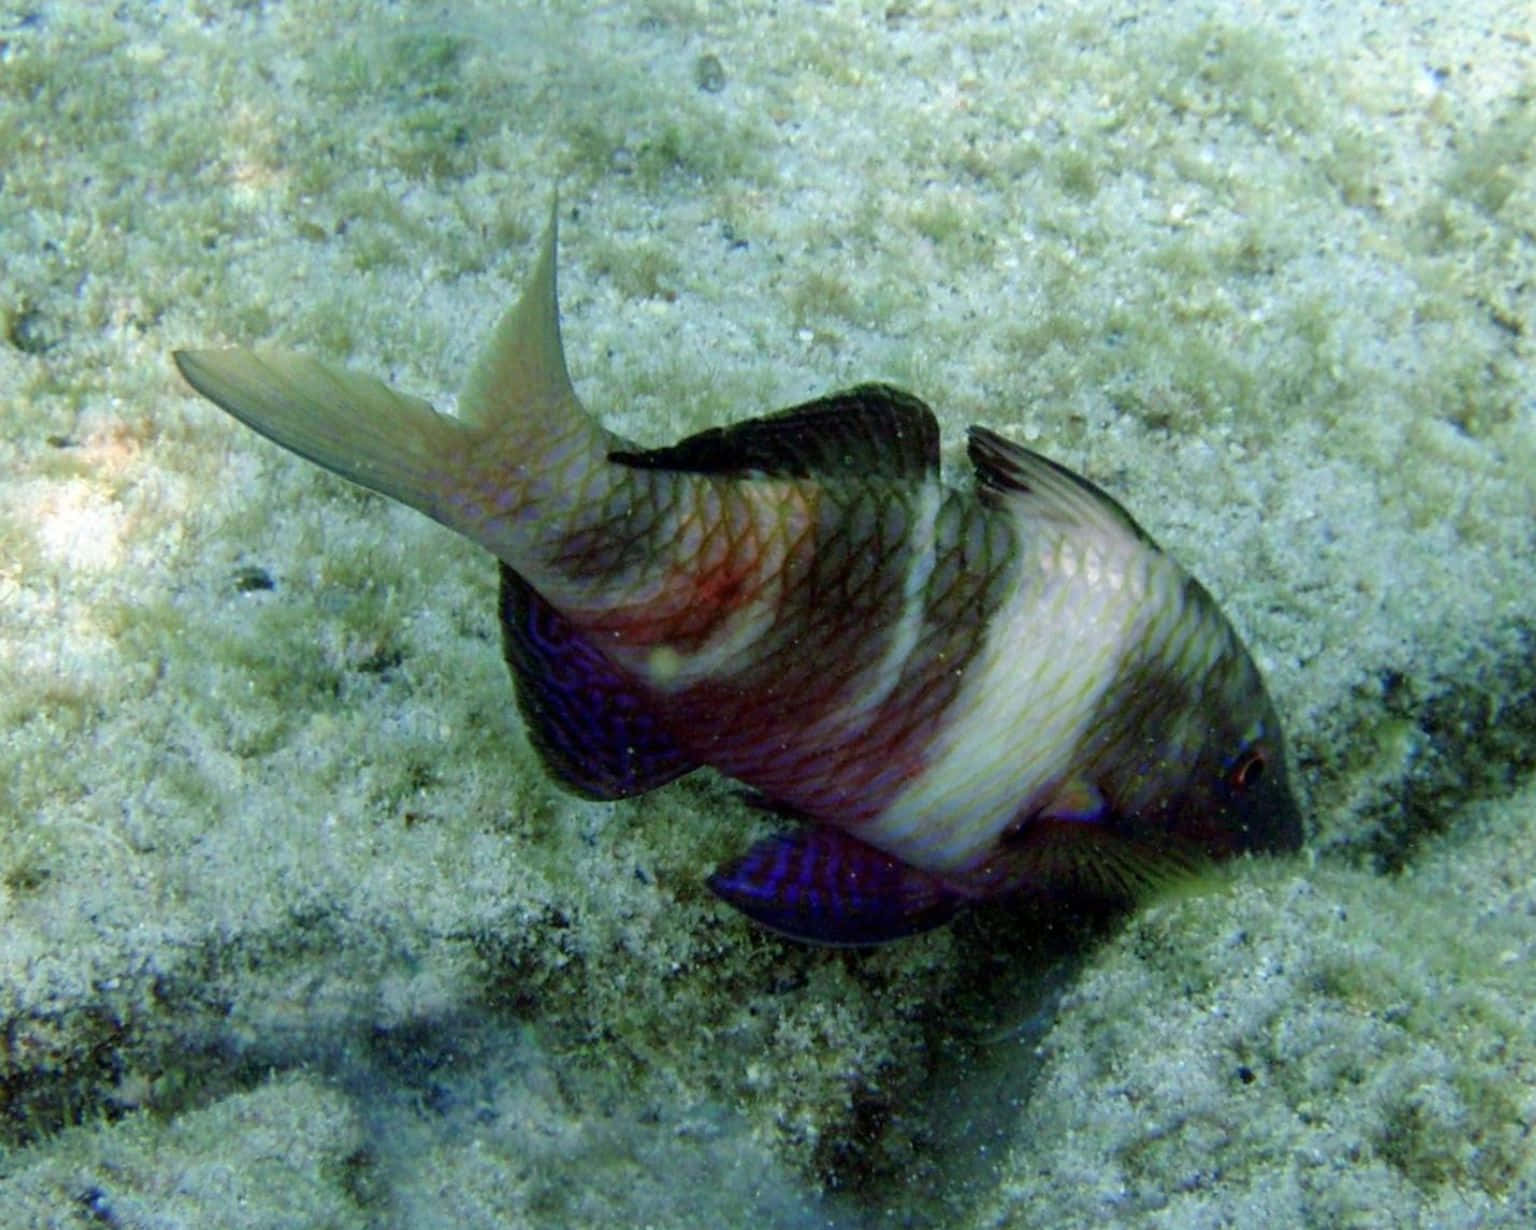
<point x="869" y="430"/>
<point x="592" y="727"/>
<point x="521" y="369"/>
<point x="1009" y="472"/>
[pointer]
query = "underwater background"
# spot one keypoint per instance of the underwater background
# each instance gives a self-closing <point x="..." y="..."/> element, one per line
<point x="295" y="931"/>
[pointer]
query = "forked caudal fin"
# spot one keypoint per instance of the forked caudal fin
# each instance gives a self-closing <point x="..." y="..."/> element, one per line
<point x="482" y="473"/>
<point x="351" y="424"/>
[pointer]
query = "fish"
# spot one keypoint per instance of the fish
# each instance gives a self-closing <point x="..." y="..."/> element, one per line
<point x="953" y="692"/>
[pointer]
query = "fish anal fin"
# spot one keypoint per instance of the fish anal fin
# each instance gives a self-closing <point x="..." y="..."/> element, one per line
<point x="821" y="886"/>
<point x="592" y="726"/>
<point x="869" y="430"/>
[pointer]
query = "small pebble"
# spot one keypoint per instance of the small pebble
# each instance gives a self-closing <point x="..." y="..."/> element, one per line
<point x="249" y="578"/>
<point x="709" y="73"/>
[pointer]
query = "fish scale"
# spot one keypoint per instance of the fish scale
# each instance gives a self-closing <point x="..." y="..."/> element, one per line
<point x="951" y="693"/>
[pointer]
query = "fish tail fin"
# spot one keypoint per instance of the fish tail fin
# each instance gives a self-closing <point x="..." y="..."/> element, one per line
<point x="507" y="471"/>
<point x="352" y="424"/>
<point x="520" y="379"/>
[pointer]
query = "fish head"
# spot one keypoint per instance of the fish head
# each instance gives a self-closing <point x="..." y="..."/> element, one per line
<point x="1188" y="783"/>
<point x="1239" y="798"/>
<point x="1179" y="757"/>
<point x="1214" y="778"/>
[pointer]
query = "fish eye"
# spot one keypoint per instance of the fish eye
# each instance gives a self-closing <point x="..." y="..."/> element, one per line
<point x="1248" y="770"/>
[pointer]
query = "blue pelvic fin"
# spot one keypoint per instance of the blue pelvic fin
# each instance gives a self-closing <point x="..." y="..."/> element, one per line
<point x="821" y="886"/>
<point x="592" y="727"/>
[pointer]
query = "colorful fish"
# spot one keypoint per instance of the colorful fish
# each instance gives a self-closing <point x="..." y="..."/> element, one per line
<point x="955" y="693"/>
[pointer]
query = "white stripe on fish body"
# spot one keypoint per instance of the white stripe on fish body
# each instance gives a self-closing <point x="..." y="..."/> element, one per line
<point x="1029" y="698"/>
<point x="836" y="738"/>
<point x="769" y="516"/>
<point x="805" y="745"/>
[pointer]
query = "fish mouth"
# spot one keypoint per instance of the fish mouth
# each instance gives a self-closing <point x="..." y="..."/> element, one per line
<point x="1267" y="820"/>
<point x="1271" y="823"/>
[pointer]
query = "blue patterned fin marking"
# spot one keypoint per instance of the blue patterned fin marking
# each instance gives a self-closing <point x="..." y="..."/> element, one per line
<point x="821" y="886"/>
<point x="592" y="727"/>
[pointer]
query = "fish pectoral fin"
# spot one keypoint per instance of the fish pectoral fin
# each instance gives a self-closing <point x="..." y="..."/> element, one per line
<point x="1076" y="799"/>
<point x="822" y="886"/>
<point x="1081" y="858"/>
